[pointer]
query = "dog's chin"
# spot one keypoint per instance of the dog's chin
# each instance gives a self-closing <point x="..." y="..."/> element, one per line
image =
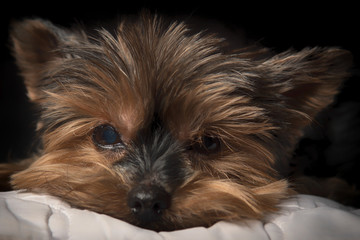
<point x="158" y="226"/>
<point x="168" y="222"/>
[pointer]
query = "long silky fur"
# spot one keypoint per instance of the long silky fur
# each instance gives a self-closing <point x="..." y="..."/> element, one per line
<point x="196" y="88"/>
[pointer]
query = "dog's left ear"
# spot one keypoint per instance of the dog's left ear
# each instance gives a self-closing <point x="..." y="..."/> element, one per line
<point x="296" y="86"/>
<point x="307" y="81"/>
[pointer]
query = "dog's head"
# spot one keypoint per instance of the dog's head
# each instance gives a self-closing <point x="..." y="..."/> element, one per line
<point x="162" y="128"/>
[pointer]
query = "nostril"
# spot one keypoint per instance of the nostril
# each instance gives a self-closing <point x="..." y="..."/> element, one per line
<point x="148" y="203"/>
<point x="136" y="206"/>
<point x="157" y="208"/>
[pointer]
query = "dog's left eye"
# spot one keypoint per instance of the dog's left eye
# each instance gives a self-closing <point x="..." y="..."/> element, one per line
<point x="106" y="137"/>
<point x="206" y="145"/>
<point x="210" y="143"/>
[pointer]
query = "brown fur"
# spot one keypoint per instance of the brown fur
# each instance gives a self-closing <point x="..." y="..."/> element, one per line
<point x="256" y="106"/>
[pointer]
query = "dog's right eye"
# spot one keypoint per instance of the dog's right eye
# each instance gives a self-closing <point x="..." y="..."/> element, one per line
<point x="106" y="137"/>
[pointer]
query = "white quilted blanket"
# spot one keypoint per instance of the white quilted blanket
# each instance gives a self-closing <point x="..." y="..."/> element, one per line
<point x="32" y="216"/>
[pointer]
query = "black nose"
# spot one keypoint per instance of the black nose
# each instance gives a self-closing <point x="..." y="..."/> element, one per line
<point x="148" y="202"/>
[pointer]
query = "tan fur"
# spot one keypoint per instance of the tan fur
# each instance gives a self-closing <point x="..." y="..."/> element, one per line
<point x="257" y="106"/>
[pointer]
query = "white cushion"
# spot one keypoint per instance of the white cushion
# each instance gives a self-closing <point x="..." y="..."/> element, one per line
<point x="35" y="216"/>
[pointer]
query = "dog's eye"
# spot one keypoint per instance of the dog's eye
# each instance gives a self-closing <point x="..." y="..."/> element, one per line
<point x="105" y="136"/>
<point x="206" y="145"/>
<point x="210" y="143"/>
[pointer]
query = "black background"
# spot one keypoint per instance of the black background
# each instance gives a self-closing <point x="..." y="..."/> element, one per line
<point x="278" y="26"/>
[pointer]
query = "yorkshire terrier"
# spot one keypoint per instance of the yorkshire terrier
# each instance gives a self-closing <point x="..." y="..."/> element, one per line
<point x="164" y="128"/>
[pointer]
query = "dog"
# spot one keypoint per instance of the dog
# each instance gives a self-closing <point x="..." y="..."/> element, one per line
<point x="164" y="128"/>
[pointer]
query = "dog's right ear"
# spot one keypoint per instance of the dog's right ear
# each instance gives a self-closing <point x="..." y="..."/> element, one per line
<point x="35" y="45"/>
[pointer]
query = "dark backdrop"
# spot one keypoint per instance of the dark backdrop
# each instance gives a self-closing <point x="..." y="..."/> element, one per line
<point x="282" y="26"/>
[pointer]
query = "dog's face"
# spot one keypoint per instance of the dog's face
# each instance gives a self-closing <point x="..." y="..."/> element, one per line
<point x="163" y="129"/>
